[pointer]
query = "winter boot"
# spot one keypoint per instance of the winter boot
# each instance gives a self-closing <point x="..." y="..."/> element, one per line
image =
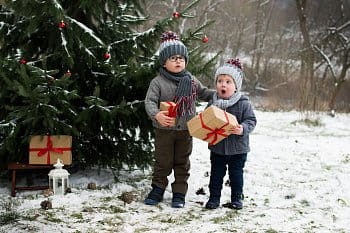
<point x="236" y="201"/>
<point x="212" y="203"/>
<point x="155" y="196"/>
<point x="178" y="200"/>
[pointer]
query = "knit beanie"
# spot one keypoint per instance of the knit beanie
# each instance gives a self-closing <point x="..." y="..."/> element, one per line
<point x="233" y="68"/>
<point x="171" y="45"/>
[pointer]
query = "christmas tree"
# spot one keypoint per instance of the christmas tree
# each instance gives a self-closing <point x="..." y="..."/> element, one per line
<point x="80" y="68"/>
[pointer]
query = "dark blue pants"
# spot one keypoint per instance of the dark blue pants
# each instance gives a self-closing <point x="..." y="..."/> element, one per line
<point x="219" y="164"/>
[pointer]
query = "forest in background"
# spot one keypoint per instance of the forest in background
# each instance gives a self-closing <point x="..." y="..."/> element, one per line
<point x="295" y="52"/>
<point x="62" y="62"/>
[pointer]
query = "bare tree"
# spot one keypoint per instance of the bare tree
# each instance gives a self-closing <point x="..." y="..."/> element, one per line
<point x="262" y="23"/>
<point x="334" y="50"/>
<point x="307" y="59"/>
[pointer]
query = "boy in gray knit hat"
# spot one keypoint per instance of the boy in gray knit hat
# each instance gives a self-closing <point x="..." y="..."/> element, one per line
<point x="232" y="151"/>
<point x="173" y="144"/>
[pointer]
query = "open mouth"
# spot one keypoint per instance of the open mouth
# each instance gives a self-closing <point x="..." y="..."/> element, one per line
<point x="223" y="92"/>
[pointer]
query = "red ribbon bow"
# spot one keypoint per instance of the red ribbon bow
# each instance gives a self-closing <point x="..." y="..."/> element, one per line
<point x="49" y="147"/>
<point x="172" y="111"/>
<point x="214" y="132"/>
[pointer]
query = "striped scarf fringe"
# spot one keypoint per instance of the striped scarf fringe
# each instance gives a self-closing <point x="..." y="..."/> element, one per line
<point x="185" y="103"/>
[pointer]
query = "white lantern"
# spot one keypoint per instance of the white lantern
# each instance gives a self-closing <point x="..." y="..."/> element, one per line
<point x="58" y="179"/>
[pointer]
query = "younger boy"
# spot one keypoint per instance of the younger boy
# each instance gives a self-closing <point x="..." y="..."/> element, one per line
<point x="232" y="151"/>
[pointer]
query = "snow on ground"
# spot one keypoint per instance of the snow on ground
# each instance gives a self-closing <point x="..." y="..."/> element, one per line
<point x="296" y="180"/>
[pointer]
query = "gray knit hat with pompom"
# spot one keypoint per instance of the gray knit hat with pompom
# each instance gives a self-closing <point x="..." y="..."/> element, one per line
<point x="232" y="67"/>
<point x="171" y="45"/>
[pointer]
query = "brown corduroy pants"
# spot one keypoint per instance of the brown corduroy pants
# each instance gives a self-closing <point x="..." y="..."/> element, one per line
<point x="172" y="152"/>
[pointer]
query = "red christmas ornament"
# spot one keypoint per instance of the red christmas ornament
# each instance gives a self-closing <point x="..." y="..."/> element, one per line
<point x="205" y="39"/>
<point x="68" y="73"/>
<point x="23" y="61"/>
<point x="176" y="14"/>
<point x="61" y="25"/>
<point x="106" y="55"/>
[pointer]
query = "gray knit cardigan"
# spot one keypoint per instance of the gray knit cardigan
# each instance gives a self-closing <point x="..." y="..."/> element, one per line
<point x="162" y="89"/>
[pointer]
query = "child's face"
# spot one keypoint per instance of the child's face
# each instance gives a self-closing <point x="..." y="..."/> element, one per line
<point x="175" y="64"/>
<point x="225" y="86"/>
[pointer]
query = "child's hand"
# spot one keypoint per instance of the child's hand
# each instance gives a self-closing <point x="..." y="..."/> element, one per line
<point x="164" y="120"/>
<point x="236" y="130"/>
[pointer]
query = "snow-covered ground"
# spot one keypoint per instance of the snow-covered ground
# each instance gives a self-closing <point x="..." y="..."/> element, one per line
<point x="296" y="180"/>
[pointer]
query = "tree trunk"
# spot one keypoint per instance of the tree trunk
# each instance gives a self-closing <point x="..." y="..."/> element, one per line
<point x="308" y="86"/>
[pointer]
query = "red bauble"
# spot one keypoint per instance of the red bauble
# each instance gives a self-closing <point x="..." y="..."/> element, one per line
<point x="205" y="39"/>
<point x="23" y="61"/>
<point x="68" y="73"/>
<point x="106" y="55"/>
<point x="61" y="25"/>
<point x="176" y="14"/>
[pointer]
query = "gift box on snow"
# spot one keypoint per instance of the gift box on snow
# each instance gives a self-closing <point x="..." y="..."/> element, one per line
<point x="171" y="107"/>
<point x="47" y="149"/>
<point x="211" y="125"/>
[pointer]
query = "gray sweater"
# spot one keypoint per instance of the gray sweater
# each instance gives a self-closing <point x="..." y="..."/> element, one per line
<point x="162" y="89"/>
<point x="238" y="144"/>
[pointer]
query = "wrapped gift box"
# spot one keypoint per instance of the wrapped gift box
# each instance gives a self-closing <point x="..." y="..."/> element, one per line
<point x="170" y="107"/>
<point x="47" y="149"/>
<point x="211" y="125"/>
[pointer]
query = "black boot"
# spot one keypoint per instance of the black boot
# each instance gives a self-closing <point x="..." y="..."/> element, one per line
<point x="236" y="201"/>
<point x="213" y="203"/>
<point x="178" y="200"/>
<point x="155" y="196"/>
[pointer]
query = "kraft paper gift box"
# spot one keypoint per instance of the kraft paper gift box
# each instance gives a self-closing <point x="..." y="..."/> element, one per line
<point x="47" y="149"/>
<point x="211" y="125"/>
<point x="171" y="107"/>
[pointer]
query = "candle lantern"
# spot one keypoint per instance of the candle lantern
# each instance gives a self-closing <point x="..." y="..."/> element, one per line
<point x="58" y="179"/>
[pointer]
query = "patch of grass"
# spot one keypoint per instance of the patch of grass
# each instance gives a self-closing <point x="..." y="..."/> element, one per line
<point x="141" y="230"/>
<point x="289" y="196"/>
<point x="305" y="203"/>
<point x="229" y="215"/>
<point x="112" y="221"/>
<point x="30" y="217"/>
<point x="230" y="230"/>
<point x="77" y="216"/>
<point x="88" y="209"/>
<point x="105" y="187"/>
<point x="342" y="201"/>
<point x="112" y="209"/>
<point x="308" y="122"/>
<point x="179" y="219"/>
<point x="169" y="220"/>
<point x="266" y="201"/>
<point x="346" y="160"/>
<point x="50" y="217"/>
<point x="9" y="217"/>
<point x="327" y="167"/>
<point x="271" y="231"/>
<point x="9" y="213"/>
<point x="108" y="199"/>
<point x="116" y="209"/>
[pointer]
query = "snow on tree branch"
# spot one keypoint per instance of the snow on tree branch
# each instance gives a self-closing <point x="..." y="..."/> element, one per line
<point x="87" y="30"/>
<point x="325" y="57"/>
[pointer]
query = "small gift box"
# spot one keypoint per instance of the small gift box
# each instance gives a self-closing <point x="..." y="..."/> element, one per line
<point x="211" y="125"/>
<point x="47" y="149"/>
<point x="171" y="107"/>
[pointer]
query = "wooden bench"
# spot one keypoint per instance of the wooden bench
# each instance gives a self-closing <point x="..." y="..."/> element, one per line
<point x="14" y="167"/>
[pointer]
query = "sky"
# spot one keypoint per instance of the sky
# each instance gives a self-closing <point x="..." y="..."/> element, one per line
<point x="296" y="180"/>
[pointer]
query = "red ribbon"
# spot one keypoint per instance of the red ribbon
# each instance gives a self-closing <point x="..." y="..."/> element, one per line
<point x="49" y="147"/>
<point x="172" y="111"/>
<point x="214" y="132"/>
